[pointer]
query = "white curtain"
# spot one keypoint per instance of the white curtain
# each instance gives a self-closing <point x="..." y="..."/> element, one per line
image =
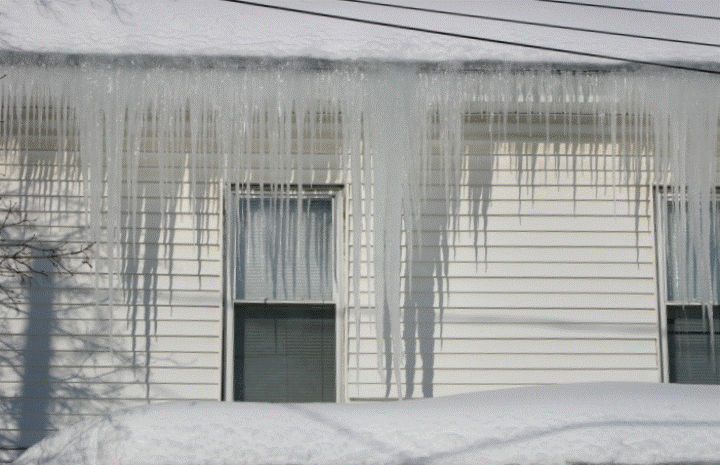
<point x="284" y="252"/>
<point x="692" y="268"/>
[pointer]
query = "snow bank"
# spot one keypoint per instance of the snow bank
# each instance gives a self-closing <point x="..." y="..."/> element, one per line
<point x="602" y="422"/>
<point x="219" y="28"/>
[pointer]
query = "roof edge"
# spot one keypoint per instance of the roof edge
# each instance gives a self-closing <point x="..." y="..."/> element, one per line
<point x="150" y="61"/>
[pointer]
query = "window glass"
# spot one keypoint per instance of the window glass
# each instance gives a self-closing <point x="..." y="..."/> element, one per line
<point x="285" y="353"/>
<point x="690" y="354"/>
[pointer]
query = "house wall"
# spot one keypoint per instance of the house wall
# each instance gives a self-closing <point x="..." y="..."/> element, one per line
<point x="528" y="285"/>
<point x="539" y="268"/>
<point x="66" y="352"/>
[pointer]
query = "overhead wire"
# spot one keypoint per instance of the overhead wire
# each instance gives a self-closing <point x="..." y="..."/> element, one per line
<point x="534" y="23"/>
<point x="478" y="38"/>
<point x="637" y="10"/>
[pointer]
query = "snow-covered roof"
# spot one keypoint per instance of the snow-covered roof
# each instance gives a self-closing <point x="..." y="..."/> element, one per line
<point x="211" y="28"/>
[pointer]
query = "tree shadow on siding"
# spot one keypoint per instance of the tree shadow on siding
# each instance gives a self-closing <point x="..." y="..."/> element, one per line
<point x="49" y="360"/>
<point x="54" y="344"/>
<point x="36" y="354"/>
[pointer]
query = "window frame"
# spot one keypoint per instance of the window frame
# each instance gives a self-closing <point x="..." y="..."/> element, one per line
<point x="334" y="192"/>
<point x="668" y="309"/>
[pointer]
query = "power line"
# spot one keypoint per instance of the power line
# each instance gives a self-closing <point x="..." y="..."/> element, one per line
<point x="639" y="10"/>
<point x="534" y="23"/>
<point x="469" y="37"/>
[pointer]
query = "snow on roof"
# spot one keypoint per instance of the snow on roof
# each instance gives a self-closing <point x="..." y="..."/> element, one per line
<point x="583" y="423"/>
<point x="220" y="28"/>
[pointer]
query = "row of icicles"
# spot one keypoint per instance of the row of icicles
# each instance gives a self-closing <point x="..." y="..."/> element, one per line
<point x="388" y="134"/>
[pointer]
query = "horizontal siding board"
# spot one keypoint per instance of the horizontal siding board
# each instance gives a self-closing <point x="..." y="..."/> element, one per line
<point x="549" y="300"/>
<point x="426" y="311"/>
<point x="523" y="222"/>
<point x="105" y="359"/>
<point x="508" y="345"/>
<point x="423" y="266"/>
<point x="84" y="295"/>
<point x="523" y="254"/>
<point x="569" y="207"/>
<point x="526" y="192"/>
<point x="202" y="213"/>
<point x="136" y="326"/>
<point x="199" y="250"/>
<point x="554" y="238"/>
<point x="448" y="361"/>
<point x="510" y="285"/>
<point x="516" y="376"/>
<point x="576" y="254"/>
<point x="121" y="342"/>
<point x="505" y="314"/>
<point x="105" y="394"/>
<point x="146" y="280"/>
<point x="507" y="175"/>
<point x="90" y="312"/>
<point x="528" y="316"/>
<point x="324" y="171"/>
<point x="179" y="266"/>
<point x="87" y="375"/>
<point x="621" y="207"/>
<point x="552" y="182"/>
<point x="534" y="330"/>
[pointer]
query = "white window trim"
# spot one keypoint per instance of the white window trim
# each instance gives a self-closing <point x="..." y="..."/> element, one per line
<point x="661" y="283"/>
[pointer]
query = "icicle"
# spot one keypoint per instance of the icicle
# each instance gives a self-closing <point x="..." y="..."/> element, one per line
<point x="356" y="157"/>
<point x="390" y="156"/>
<point x="389" y="127"/>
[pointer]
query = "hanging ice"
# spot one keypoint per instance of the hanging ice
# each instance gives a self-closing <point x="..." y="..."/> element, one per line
<point x="271" y="133"/>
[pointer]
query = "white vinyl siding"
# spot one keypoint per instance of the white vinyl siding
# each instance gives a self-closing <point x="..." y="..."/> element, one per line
<point x="560" y="287"/>
<point x="64" y="357"/>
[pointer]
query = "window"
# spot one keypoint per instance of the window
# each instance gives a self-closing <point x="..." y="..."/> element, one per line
<point x="693" y="352"/>
<point x="284" y="315"/>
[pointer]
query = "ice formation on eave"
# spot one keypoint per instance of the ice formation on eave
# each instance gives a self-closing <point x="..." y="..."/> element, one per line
<point x="390" y="127"/>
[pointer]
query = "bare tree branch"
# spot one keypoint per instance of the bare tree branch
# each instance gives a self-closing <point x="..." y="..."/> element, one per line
<point x="20" y="249"/>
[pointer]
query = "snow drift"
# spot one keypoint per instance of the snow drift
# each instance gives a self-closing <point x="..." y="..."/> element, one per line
<point x="603" y="422"/>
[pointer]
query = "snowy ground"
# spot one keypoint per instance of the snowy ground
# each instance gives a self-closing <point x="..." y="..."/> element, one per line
<point x="588" y="423"/>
